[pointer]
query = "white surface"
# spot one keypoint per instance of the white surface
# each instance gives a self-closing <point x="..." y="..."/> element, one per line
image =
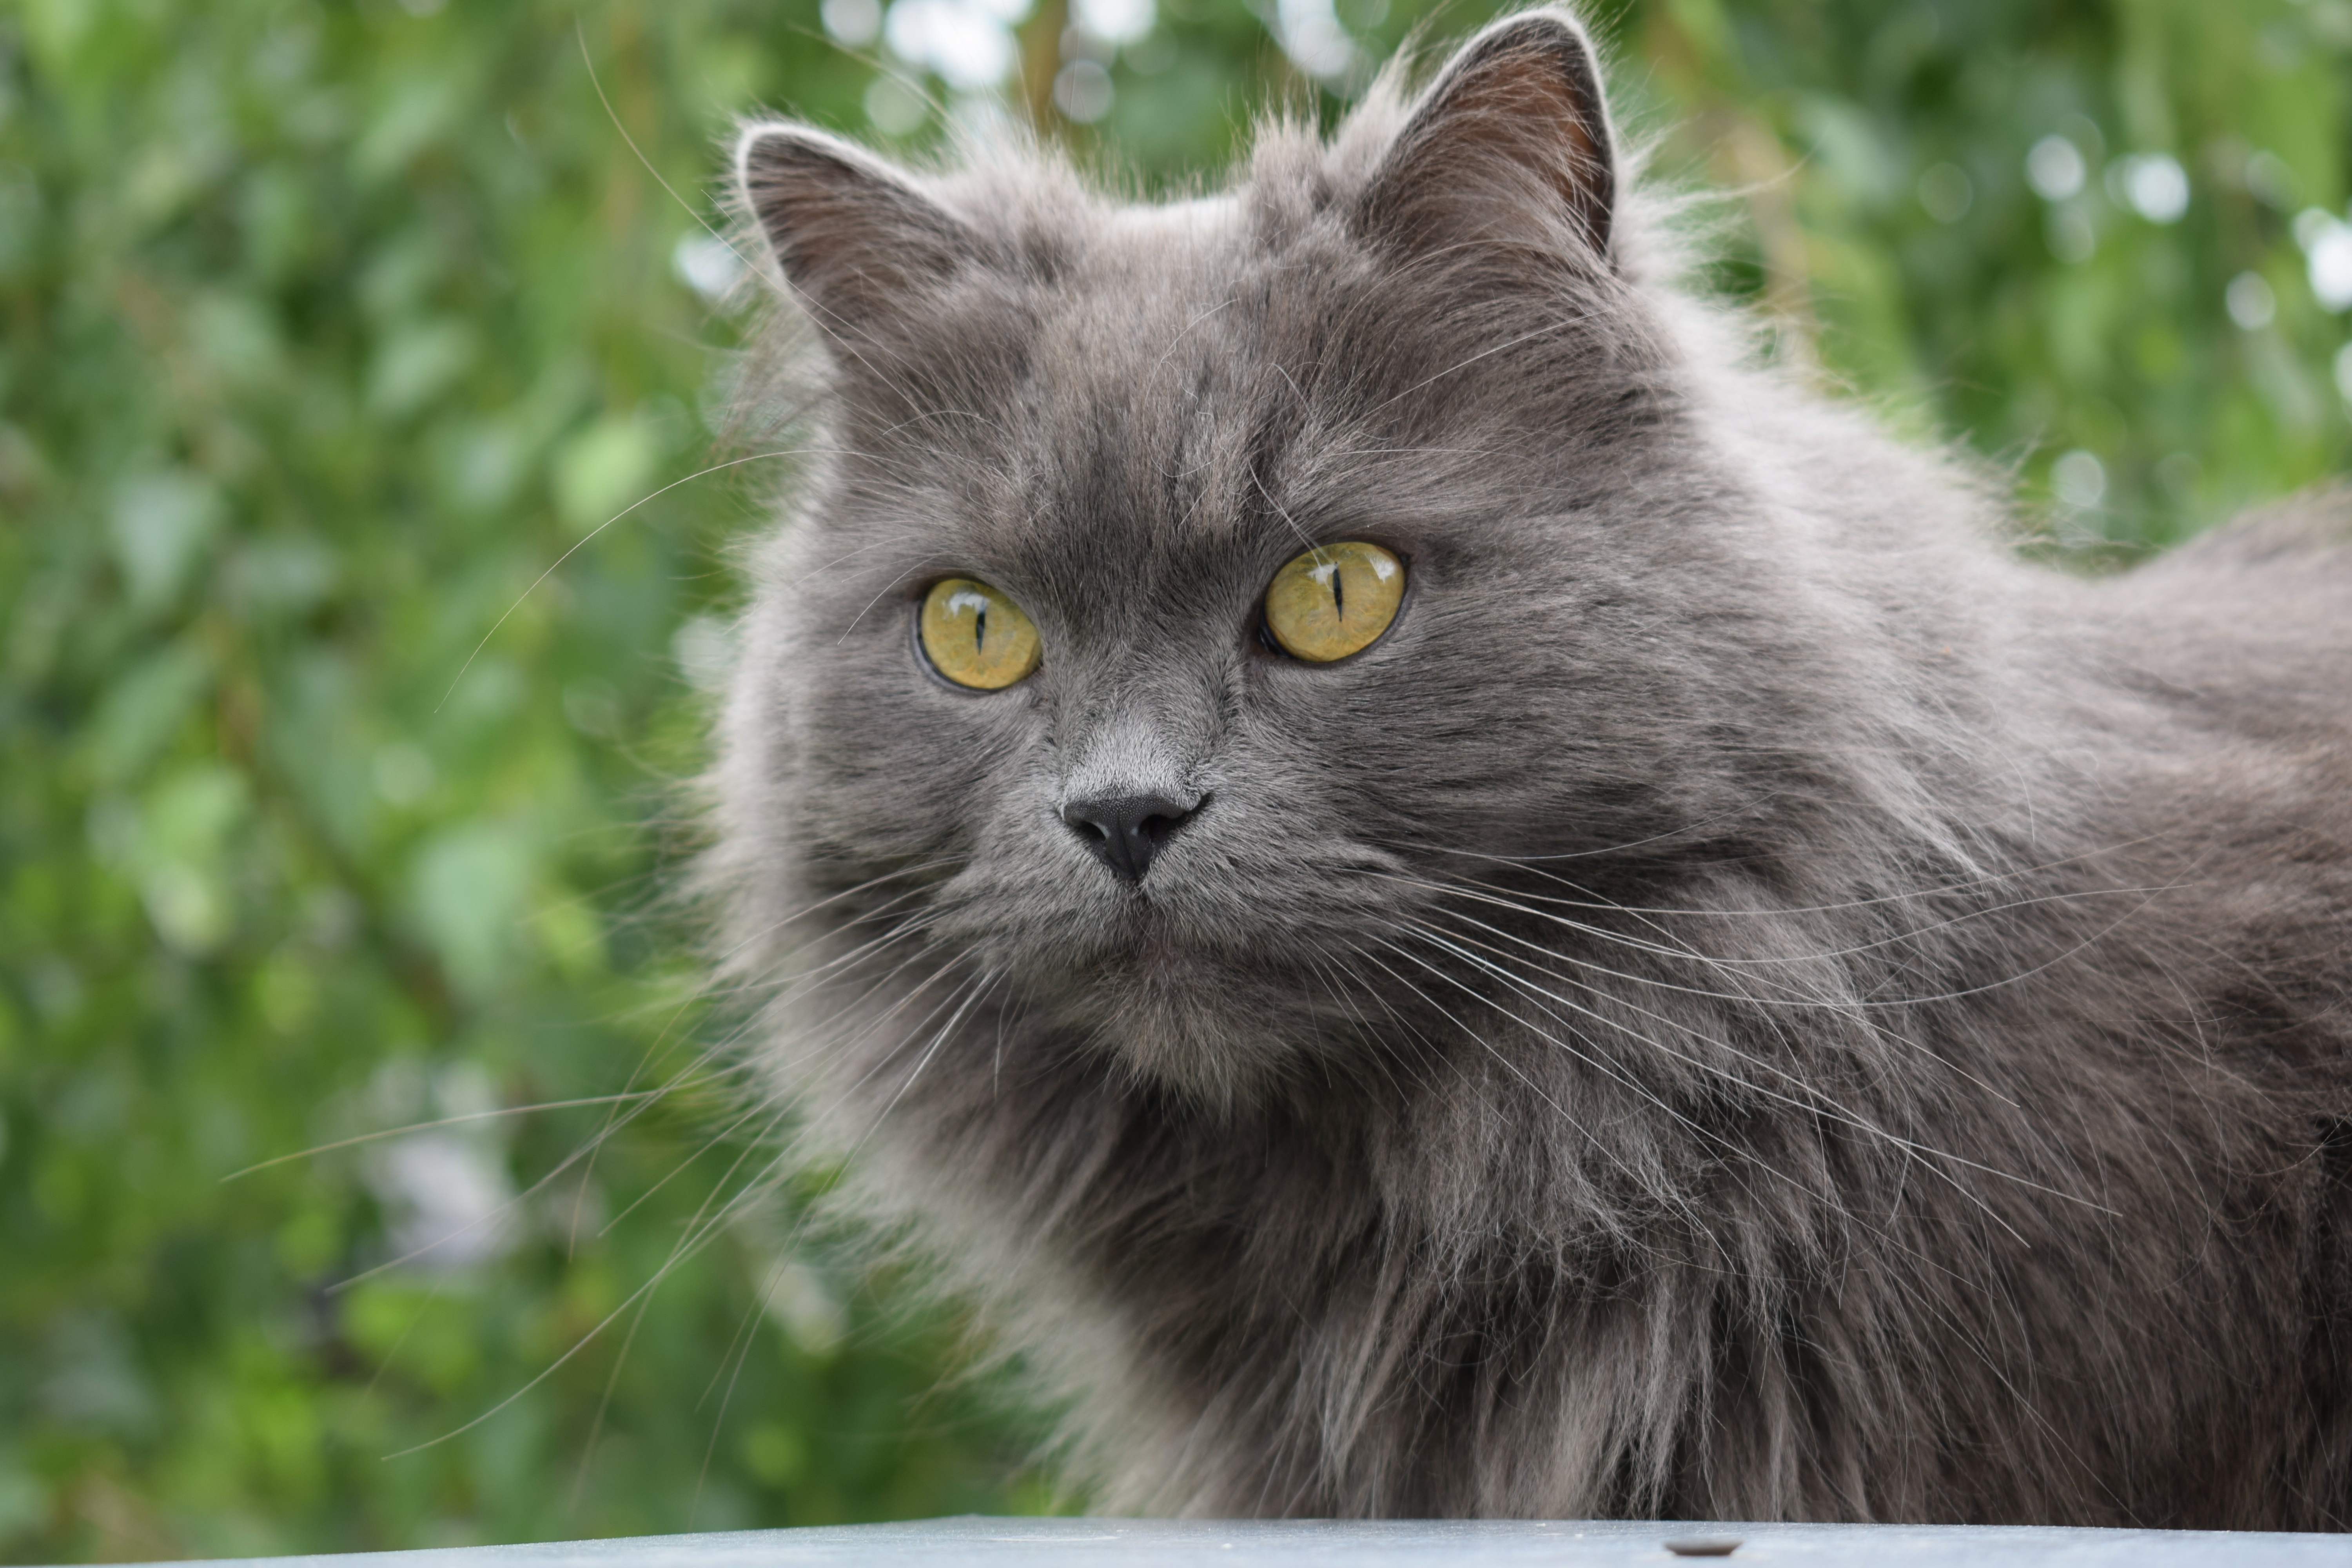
<point x="1155" y="1544"/>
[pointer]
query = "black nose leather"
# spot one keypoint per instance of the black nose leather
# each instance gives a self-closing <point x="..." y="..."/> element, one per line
<point x="1126" y="831"/>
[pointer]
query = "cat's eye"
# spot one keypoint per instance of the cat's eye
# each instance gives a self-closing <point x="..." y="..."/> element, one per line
<point x="1335" y="600"/>
<point x="976" y="636"/>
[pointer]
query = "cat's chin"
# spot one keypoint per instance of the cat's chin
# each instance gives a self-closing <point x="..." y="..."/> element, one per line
<point x="1177" y="1037"/>
<point x="1209" y="1027"/>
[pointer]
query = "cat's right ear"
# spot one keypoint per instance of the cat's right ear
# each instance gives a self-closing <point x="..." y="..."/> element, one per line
<point x="856" y="240"/>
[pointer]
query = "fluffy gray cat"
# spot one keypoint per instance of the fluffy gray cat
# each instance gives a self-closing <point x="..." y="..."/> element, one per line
<point x="1447" y="899"/>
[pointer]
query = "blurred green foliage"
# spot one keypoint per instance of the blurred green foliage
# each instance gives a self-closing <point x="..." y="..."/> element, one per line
<point x="328" y="329"/>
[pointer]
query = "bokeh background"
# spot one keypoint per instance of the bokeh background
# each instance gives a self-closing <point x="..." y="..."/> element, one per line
<point x="331" y="332"/>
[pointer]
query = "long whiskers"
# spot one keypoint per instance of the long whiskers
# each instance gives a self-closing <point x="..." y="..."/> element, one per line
<point x="470" y="1117"/>
<point x="589" y="536"/>
<point x="1809" y="1097"/>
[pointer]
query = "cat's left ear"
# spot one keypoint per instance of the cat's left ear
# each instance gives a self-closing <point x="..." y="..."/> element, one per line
<point x="1510" y="145"/>
<point x="857" y="241"/>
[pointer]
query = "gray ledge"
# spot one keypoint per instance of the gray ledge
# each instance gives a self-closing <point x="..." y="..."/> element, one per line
<point x="1399" y="1543"/>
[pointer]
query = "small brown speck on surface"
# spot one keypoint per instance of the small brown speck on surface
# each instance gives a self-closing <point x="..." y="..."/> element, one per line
<point x="1703" y="1546"/>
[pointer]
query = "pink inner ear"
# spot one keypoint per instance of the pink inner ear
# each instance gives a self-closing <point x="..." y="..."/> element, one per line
<point x="1514" y="138"/>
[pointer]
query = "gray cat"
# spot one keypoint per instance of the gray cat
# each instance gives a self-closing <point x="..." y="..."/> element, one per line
<point x="1449" y="899"/>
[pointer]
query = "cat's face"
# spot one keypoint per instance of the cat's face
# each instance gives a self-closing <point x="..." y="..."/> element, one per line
<point x="1173" y="834"/>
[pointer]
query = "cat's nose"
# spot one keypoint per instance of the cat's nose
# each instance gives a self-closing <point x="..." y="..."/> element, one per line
<point x="1126" y="831"/>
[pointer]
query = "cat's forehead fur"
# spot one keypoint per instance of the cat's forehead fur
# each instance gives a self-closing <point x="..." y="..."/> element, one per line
<point x="1171" y="385"/>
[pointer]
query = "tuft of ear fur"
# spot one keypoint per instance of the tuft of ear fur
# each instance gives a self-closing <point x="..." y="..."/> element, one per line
<point x="1511" y="142"/>
<point x="854" y="238"/>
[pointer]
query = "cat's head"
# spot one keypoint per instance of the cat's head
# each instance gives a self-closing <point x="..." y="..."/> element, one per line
<point x="1056" y="662"/>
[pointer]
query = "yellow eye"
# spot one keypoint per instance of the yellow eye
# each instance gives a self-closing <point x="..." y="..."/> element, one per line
<point x="1334" y="600"/>
<point x="976" y="636"/>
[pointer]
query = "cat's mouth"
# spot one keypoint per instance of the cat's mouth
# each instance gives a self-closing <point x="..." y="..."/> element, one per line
<point x="1156" y="943"/>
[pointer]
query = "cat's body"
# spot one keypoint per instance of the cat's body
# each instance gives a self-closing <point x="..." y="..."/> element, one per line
<point x="1747" y="1001"/>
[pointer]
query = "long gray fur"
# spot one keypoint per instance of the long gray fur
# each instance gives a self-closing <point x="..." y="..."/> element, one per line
<point x="1748" y="1002"/>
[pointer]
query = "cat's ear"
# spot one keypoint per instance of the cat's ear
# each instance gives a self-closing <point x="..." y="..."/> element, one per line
<point x="1511" y="145"/>
<point x="856" y="239"/>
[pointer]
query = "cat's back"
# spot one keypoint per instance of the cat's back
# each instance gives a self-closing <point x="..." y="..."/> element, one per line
<point x="2206" y="734"/>
<point x="2284" y="571"/>
<point x="2246" y="632"/>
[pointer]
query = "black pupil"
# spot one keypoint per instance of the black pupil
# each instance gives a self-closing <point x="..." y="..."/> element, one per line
<point x="980" y="630"/>
<point x="1339" y="594"/>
